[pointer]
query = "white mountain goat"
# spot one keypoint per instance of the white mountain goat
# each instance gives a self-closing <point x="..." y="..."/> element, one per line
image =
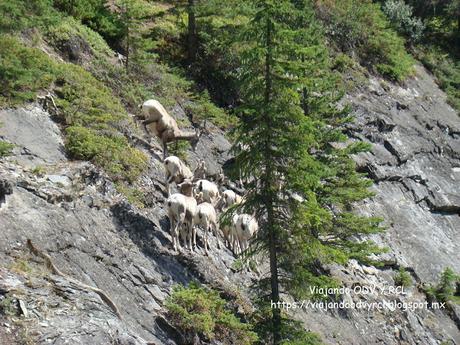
<point x="200" y="170"/>
<point x="176" y="171"/>
<point x="229" y="198"/>
<point x="209" y="191"/>
<point x="245" y="228"/>
<point x="163" y="125"/>
<point x="229" y="232"/>
<point x="206" y="216"/>
<point x="181" y="209"/>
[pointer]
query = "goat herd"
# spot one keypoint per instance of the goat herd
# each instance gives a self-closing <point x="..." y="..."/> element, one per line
<point x="197" y="203"/>
<point x="198" y="199"/>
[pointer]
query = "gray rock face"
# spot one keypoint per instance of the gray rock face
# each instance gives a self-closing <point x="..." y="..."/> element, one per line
<point x="415" y="166"/>
<point x="37" y="138"/>
<point x="73" y="212"/>
<point x="414" y="163"/>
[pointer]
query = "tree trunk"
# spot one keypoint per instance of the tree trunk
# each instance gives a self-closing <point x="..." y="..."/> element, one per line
<point x="127" y="50"/>
<point x="304" y="95"/>
<point x="268" y="181"/>
<point x="192" y="40"/>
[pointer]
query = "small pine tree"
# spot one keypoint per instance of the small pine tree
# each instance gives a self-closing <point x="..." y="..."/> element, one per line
<point x="132" y="17"/>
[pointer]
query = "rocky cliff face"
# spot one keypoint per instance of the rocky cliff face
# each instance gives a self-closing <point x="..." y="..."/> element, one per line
<point x="72" y="211"/>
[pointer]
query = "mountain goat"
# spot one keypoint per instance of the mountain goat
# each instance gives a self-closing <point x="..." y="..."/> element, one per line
<point x="163" y="125"/>
<point x="176" y="171"/>
<point x="229" y="198"/>
<point x="229" y="232"/>
<point x="208" y="191"/>
<point x="206" y="216"/>
<point x="245" y="228"/>
<point x="181" y="209"/>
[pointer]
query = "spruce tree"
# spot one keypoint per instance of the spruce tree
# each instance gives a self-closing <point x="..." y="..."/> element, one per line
<point x="291" y="144"/>
<point x="132" y="16"/>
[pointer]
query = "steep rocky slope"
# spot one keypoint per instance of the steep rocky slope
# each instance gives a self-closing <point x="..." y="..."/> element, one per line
<point x="72" y="211"/>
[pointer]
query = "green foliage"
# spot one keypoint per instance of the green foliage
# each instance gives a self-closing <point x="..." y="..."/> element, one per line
<point x="289" y="119"/>
<point x="134" y="195"/>
<point x="446" y="69"/>
<point x="38" y="170"/>
<point x="293" y="332"/>
<point x="179" y="149"/>
<point x="93" y="13"/>
<point x="8" y="306"/>
<point x="137" y="47"/>
<point x="402" y="19"/>
<point x="95" y="118"/>
<point x="112" y="152"/>
<point x="5" y="148"/>
<point x="202" y="110"/>
<point x="196" y="310"/>
<point x="447" y="286"/>
<point x="18" y="15"/>
<point x="23" y="71"/>
<point x="69" y="28"/>
<point x="360" y="27"/>
<point x="403" y="278"/>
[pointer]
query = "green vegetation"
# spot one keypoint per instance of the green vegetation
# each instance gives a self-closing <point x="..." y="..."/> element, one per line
<point x="8" y="307"/>
<point x="292" y="332"/>
<point x="437" y="46"/>
<point x="203" y="110"/>
<point x="21" y="266"/>
<point x="448" y="287"/>
<point x="94" y="118"/>
<point x="5" y="147"/>
<point x="18" y="15"/>
<point x="38" y="170"/>
<point x="134" y="195"/>
<point x="400" y="15"/>
<point x="196" y="310"/>
<point x="403" y="278"/>
<point x="23" y="71"/>
<point x="445" y="68"/>
<point x="69" y="28"/>
<point x="289" y="118"/>
<point x="359" y="27"/>
<point x="110" y="151"/>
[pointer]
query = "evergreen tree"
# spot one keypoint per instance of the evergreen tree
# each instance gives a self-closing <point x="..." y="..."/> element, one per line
<point x="289" y="139"/>
<point x="132" y="17"/>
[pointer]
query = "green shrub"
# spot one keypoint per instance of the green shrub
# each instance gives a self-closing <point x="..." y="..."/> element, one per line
<point x="203" y="110"/>
<point x="403" y="278"/>
<point x="68" y="28"/>
<point x="134" y="195"/>
<point x="112" y="152"/>
<point x="196" y="310"/>
<point x="95" y="118"/>
<point x="85" y="101"/>
<point x="38" y="170"/>
<point x="292" y="331"/>
<point x="5" y="148"/>
<point x="360" y="27"/>
<point x="446" y="70"/>
<point x="8" y="306"/>
<point x="17" y="15"/>
<point x="446" y="288"/>
<point x="179" y="149"/>
<point x="400" y="15"/>
<point x="93" y="13"/>
<point x="23" y="71"/>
